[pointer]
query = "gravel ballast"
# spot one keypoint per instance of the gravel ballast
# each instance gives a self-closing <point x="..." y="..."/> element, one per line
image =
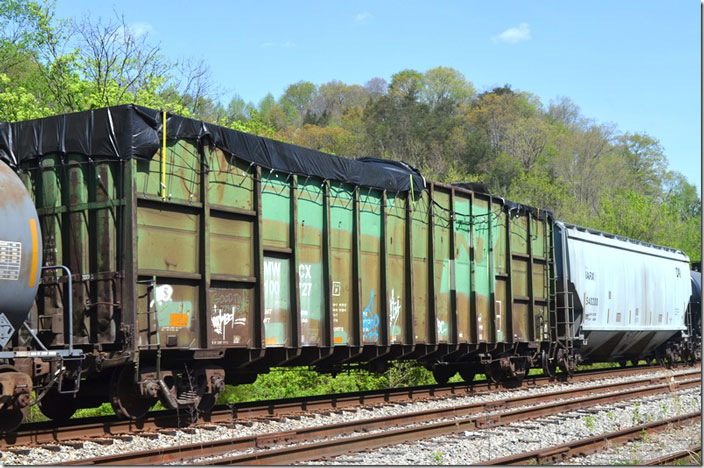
<point x="59" y="453"/>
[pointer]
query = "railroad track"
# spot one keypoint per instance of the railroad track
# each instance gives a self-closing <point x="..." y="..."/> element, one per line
<point x="48" y="432"/>
<point x="317" y="442"/>
<point x="590" y="445"/>
<point x="693" y="456"/>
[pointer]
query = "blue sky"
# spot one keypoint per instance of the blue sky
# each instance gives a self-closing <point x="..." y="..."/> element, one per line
<point x="633" y="63"/>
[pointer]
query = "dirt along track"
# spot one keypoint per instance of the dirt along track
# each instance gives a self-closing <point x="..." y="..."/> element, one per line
<point x="328" y="440"/>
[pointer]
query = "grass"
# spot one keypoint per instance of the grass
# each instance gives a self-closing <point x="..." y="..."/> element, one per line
<point x="301" y="381"/>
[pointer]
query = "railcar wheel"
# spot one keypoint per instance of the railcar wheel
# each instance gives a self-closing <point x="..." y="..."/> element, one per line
<point x="206" y="403"/>
<point x="549" y="365"/>
<point x="623" y="363"/>
<point x="668" y="361"/>
<point x="13" y="408"/>
<point x="441" y="375"/>
<point x="467" y="375"/>
<point x="10" y="419"/>
<point x="56" y="406"/>
<point x="493" y="372"/>
<point x="690" y="358"/>
<point x="125" y="397"/>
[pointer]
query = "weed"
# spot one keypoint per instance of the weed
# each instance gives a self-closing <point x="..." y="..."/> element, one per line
<point x="636" y="417"/>
<point x="589" y="422"/>
<point x="644" y="436"/>
<point x="438" y="458"/>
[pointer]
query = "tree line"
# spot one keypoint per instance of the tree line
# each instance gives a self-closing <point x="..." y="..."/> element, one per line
<point x="543" y="154"/>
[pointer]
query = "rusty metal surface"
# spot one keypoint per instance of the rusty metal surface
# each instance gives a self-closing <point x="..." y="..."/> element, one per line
<point x="334" y="447"/>
<point x="315" y="450"/>
<point x="596" y="443"/>
<point x="692" y="457"/>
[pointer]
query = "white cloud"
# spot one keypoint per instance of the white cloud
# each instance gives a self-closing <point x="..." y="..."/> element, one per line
<point x="362" y="17"/>
<point x="514" y="35"/>
<point x="141" y="29"/>
<point x="283" y="45"/>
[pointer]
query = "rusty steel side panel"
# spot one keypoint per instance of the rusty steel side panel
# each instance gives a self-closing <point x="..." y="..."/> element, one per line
<point x="230" y="315"/>
<point x="104" y="249"/>
<point x="182" y="173"/>
<point x="78" y="204"/>
<point x="370" y="221"/>
<point x="341" y="228"/>
<point x="168" y="240"/>
<point x="230" y="182"/>
<point x="277" y="301"/>
<point x="529" y="277"/>
<point x="311" y="280"/>
<point x="170" y="305"/>
<point x="482" y="284"/>
<point x="520" y="277"/>
<point x="231" y="252"/>
<point x="231" y="245"/>
<point x="521" y="327"/>
<point x="77" y="242"/>
<point x="442" y="257"/>
<point x="170" y="312"/>
<point x="502" y="299"/>
<point x="541" y="253"/>
<point x="463" y="280"/>
<point x="462" y="271"/>
<point x="396" y="271"/>
<point x="276" y="210"/>
<point x="50" y="300"/>
<point x="538" y="239"/>
<point x="278" y="292"/>
<point x="421" y="264"/>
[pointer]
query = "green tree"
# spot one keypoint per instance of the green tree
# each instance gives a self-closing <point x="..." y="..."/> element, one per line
<point x="238" y="109"/>
<point x="297" y="100"/>
<point x="445" y="86"/>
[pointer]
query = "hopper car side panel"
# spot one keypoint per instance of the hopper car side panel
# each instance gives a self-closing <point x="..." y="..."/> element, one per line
<point x="242" y="259"/>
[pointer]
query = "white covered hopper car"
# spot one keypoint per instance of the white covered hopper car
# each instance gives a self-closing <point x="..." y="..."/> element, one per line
<point x="630" y="298"/>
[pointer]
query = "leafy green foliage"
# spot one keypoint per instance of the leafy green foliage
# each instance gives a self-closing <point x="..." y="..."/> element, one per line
<point x="301" y="381"/>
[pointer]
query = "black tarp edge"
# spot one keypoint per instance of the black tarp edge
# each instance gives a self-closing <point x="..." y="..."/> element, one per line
<point x="513" y="207"/>
<point x="131" y="131"/>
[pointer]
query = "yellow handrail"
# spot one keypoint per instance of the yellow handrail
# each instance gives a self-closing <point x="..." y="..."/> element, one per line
<point x="163" y="157"/>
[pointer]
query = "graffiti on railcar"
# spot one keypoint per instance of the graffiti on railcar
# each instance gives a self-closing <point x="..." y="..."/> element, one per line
<point x="370" y="322"/>
<point x="394" y="314"/>
<point x="310" y="279"/>
<point x="339" y="310"/>
<point x="442" y="329"/>
<point x="276" y="301"/>
<point x="172" y="315"/>
<point x="228" y="317"/>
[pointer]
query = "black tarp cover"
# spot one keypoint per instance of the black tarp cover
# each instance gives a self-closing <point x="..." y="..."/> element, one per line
<point x="131" y="131"/>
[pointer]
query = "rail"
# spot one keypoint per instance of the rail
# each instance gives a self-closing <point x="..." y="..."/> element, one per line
<point x="326" y="441"/>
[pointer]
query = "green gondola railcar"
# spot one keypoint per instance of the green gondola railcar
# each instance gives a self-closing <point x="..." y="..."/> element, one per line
<point x="210" y="263"/>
